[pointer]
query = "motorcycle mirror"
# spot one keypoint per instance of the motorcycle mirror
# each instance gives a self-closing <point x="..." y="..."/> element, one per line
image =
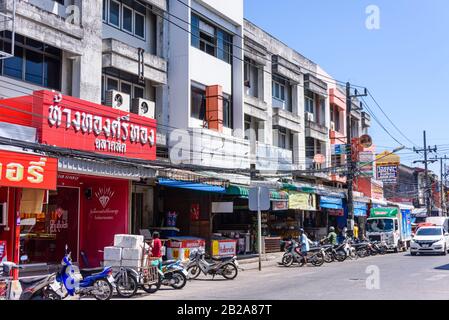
<point x="66" y="248"/>
<point x="24" y="258"/>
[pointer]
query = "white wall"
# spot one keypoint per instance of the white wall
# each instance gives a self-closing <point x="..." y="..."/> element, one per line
<point x="231" y="9"/>
<point x="208" y="70"/>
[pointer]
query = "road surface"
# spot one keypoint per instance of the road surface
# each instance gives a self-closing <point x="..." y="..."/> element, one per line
<point x="393" y="276"/>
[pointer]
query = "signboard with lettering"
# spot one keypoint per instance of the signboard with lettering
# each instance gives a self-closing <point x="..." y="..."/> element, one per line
<point x="366" y="163"/>
<point x="388" y="174"/>
<point x="72" y="123"/>
<point x="23" y="170"/>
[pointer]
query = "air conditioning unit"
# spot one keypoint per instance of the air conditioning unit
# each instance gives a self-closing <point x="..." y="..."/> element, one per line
<point x="144" y="108"/>
<point x="118" y="100"/>
<point x="310" y="117"/>
<point x="3" y="214"/>
<point x="332" y="126"/>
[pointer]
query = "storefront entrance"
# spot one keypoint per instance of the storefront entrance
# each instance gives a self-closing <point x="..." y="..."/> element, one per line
<point x="44" y="235"/>
<point x="142" y="208"/>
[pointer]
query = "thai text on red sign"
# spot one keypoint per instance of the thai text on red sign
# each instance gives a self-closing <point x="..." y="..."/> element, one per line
<point x="78" y="124"/>
<point x="24" y="170"/>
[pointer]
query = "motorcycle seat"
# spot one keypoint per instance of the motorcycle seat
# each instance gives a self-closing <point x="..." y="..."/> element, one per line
<point x="222" y="258"/>
<point x="166" y="263"/>
<point x="90" y="271"/>
<point x="33" y="280"/>
<point x="315" y="249"/>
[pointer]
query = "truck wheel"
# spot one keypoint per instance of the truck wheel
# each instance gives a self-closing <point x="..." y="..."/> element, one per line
<point x="413" y="253"/>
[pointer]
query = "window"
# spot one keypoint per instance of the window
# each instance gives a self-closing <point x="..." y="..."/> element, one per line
<point x="211" y="39"/>
<point x="291" y="138"/>
<point x="309" y="101"/>
<point x="105" y="10"/>
<point x="198" y="104"/>
<point x="278" y="91"/>
<point x="128" y="87"/>
<point x="139" y="25"/>
<point x="127" y="20"/>
<point x="282" y="138"/>
<point x="60" y="1"/>
<point x="126" y="15"/>
<point x="114" y="13"/>
<point x="247" y="73"/>
<point x="227" y="111"/>
<point x="33" y="61"/>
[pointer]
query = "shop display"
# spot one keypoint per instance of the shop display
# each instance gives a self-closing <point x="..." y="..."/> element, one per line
<point x="178" y="248"/>
<point x="223" y="247"/>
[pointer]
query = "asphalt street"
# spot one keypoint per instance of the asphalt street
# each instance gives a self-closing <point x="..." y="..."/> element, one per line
<point x="393" y="276"/>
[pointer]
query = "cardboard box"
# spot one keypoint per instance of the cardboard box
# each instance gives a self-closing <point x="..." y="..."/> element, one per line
<point x="112" y="263"/>
<point x="131" y="253"/>
<point x="112" y="254"/>
<point x="128" y="241"/>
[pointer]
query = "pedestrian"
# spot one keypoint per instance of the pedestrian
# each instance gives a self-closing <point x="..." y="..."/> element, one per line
<point x="156" y="247"/>
<point x="304" y="243"/>
<point x="356" y="231"/>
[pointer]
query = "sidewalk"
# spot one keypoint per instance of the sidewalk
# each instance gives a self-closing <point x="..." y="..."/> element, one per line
<point x="268" y="260"/>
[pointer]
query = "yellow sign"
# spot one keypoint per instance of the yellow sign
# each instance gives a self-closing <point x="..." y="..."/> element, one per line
<point x="388" y="158"/>
<point x="302" y="201"/>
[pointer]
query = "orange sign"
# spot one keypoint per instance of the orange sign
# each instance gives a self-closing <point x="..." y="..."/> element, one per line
<point x="22" y="170"/>
<point x="319" y="158"/>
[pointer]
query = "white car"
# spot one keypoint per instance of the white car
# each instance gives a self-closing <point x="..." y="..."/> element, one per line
<point x="430" y="240"/>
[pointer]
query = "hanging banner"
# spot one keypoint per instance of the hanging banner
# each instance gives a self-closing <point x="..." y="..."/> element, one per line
<point x="388" y="174"/>
<point x="302" y="201"/>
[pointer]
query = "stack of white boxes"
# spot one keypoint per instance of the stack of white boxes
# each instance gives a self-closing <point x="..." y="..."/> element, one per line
<point x="126" y="252"/>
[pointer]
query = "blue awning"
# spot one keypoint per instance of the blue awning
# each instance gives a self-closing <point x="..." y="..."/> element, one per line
<point x="191" y="185"/>
<point x="360" y="209"/>
<point x="331" y="203"/>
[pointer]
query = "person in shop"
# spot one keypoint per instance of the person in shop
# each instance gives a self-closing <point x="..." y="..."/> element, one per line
<point x="304" y="243"/>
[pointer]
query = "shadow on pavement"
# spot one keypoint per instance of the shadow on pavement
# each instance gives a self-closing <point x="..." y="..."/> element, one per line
<point x="443" y="267"/>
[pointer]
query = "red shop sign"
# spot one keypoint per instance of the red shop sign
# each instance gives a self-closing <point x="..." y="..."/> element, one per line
<point x="82" y="125"/>
<point x="24" y="170"/>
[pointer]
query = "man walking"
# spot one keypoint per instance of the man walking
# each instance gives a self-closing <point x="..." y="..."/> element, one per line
<point x="304" y="243"/>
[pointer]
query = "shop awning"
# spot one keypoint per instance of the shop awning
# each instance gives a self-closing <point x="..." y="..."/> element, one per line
<point x="294" y="187"/>
<point x="331" y="202"/>
<point x="237" y="191"/>
<point x="104" y="169"/>
<point x="190" y="185"/>
<point x="360" y="209"/>
<point x="243" y="192"/>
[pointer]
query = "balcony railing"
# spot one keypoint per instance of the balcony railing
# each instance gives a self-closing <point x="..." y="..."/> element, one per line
<point x="271" y="158"/>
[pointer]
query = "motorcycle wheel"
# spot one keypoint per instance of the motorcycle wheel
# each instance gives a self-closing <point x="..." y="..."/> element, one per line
<point x="105" y="288"/>
<point x="194" y="271"/>
<point x="230" y="271"/>
<point x="328" y="258"/>
<point x="318" y="260"/>
<point x="340" y="256"/>
<point x="152" y="288"/>
<point x="362" y="253"/>
<point x="127" y="290"/>
<point x="180" y="280"/>
<point x="287" y="260"/>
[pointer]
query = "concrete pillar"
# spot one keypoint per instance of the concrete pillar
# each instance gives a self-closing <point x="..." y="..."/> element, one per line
<point x="90" y="63"/>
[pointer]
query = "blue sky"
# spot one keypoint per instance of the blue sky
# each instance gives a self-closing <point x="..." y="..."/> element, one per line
<point x="405" y="63"/>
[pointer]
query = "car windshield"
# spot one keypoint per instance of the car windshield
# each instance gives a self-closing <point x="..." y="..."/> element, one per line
<point x="429" y="232"/>
<point x="379" y="225"/>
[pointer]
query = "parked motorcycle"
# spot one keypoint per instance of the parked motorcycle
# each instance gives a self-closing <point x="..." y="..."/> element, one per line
<point x="35" y="288"/>
<point x="173" y="274"/>
<point x="96" y="282"/>
<point x="335" y="252"/>
<point x="226" y="267"/>
<point x="315" y="256"/>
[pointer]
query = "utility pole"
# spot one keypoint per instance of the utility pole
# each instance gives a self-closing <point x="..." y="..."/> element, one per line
<point x="350" y="162"/>
<point x="442" y="197"/>
<point x="427" y="187"/>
